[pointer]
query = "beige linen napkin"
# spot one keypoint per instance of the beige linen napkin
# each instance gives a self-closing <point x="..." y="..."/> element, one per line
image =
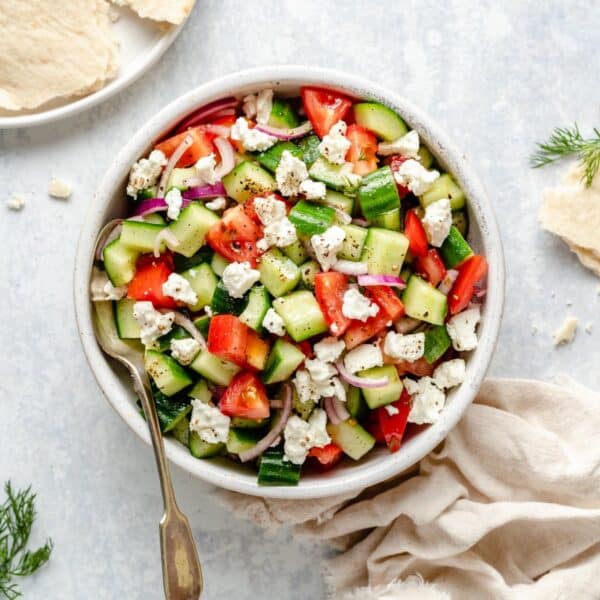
<point x="508" y="507"/>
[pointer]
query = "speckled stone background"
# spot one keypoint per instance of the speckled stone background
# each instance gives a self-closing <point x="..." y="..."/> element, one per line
<point x="496" y="75"/>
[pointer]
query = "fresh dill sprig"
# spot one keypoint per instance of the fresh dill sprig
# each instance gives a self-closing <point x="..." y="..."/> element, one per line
<point x="17" y="514"/>
<point x="568" y="141"/>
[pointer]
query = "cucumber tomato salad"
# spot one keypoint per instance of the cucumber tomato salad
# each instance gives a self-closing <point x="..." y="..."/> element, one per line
<point x="297" y="272"/>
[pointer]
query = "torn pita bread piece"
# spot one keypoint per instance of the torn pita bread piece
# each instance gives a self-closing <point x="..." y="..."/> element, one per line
<point x="53" y="50"/>
<point x="572" y="211"/>
<point x="169" y="11"/>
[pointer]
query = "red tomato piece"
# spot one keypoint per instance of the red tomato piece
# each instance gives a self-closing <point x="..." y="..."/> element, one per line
<point x="431" y="267"/>
<point x="362" y="152"/>
<point x="257" y="351"/>
<point x="392" y="426"/>
<point x="374" y="428"/>
<point x="395" y="162"/>
<point x="324" y="108"/>
<point x="415" y="232"/>
<point x="384" y="296"/>
<point x="245" y="397"/>
<point x="327" y="457"/>
<point x="305" y="347"/>
<point x="359" y="332"/>
<point x="148" y="280"/>
<point x="330" y="287"/>
<point x="469" y="273"/>
<point x="228" y="338"/>
<point x="201" y="146"/>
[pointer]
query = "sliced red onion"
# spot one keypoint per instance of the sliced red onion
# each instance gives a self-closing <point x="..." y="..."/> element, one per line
<point x="448" y="281"/>
<point x="340" y="408"/>
<point x="165" y="235"/>
<point x="274" y="433"/>
<point x="110" y="236"/>
<point x="360" y="382"/>
<point x="480" y="293"/>
<point x="227" y="157"/>
<point x="204" y="191"/>
<point x="286" y="134"/>
<point x="149" y="206"/>
<point x="219" y="130"/>
<point x="360" y="222"/>
<point x="350" y="267"/>
<point x="389" y="280"/>
<point x="179" y="152"/>
<point x="276" y="403"/>
<point x="406" y="324"/>
<point x="331" y="413"/>
<point x="214" y="109"/>
<point x="181" y="320"/>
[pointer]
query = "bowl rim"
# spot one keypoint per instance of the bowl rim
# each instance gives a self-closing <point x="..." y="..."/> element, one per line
<point x="356" y="477"/>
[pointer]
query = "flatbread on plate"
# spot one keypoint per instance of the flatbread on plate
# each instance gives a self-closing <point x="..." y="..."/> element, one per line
<point x="51" y="49"/>
<point x="170" y="11"/>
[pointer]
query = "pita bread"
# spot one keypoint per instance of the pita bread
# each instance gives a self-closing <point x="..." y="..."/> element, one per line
<point x="572" y="211"/>
<point x="53" y="49"/>
<point x="171" y="11"/>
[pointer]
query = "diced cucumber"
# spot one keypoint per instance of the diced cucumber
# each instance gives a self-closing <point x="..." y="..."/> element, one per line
<point x="460" y="220"/>
<point x="146" y="193"/>
<point x="351" y="438"/>
<point x="388" y="220"/>
<point x="283" y="114"/>
<point x="422" y="301"/>
<point x="248" y="180"/>
<point x="444" y="187"/>
<point x="425" y="157"/>
<point x="354" y="242"/>
<point x="223" y="303"/>
<point x="127" y="326"/>
<point x="455" y="249"/>
<point x="308" y="271"/>
<point x="240" y="440"/>
<point x="310" y="149"/>
<point x="163" y="343"/>
<point x="215" y="369"/>
<point x="310" y="218"/>
<point x="140" y="236"/>
<point x="378" y="193"/>
<point x="278" y="273"/>
<point x="204" y="282"/>
<point x="168" y="375"/>
<point x="301" y="315"/>
<point x="283" y="360"/>
<point x="381" y="120"/>
<point x="384" y="251"/>
<point x="437" y="341"/>
<point x="355" y="403"/>
<point x="304" y="409"/>
<point x="170" y="411"/>
<point x="201" y="449"/>
<point x="200" y="391"/>
<point x="202" y="324"/>
<point x="339" y="201"/>
<point x="259" y="303"/>
<point x="274" y="470"/>
<point x="218" y="264"/>
<point x="376" y="397"/>
<point x="296" y="252"/>
<point x="271" y="157"/>
<point x="337" y="177"/>
<point x="119" y="262"/>
<point x="181" y="431"/>
<point x="191" y="228"/>
<point x="183" y="263"/>
<point x="243" y="423"/>
<point x="180" y="178"/>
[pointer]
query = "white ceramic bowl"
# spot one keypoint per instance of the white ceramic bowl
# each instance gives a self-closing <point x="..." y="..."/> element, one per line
<point x="109" y="202"/>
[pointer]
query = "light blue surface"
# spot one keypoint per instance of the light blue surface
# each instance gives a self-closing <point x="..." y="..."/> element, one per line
<point x="496" y="76"/>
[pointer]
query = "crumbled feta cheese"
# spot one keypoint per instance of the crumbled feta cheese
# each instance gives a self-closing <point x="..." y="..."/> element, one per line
<point x="219" y="203"/>
<point x="239" y="277"/>
<point x="281" y="233"/>
<point x="179" y="288"/>
<point x="319" y="371"/>
<point x="252" y="139"/>
<point x="337" y="389"/>
<point x="184" y="351"/>
<point x="290" y="173"/>
<point x="335" y="145"/>
<point x="365" y="356"/>
<point x="174" y="201"/>
<point x="437" y="221"/>
<point x="153" y="324"/>
<point x="326" y="246"/>
<point x="205" y="169"/>
<point x="588" y="327"/>
<point x="413" y="175"/>
<point x="391" y="410"/>
<point x="259" y="106"/>
<point x="310" y="390"/>
<point x="57" y="188"/>
<point x="329" y="349"/>
<point x="208" y="311"/>
<point x="313" y="190"/>
<point x="16" y="202"/>
<point x="300" y="436"/>
<point x="450" y="373"/>
<point x="448" y="281"/>
<point x="114" y="293"/>
<point x="405" y="347"/>
<point x="273" y="323"/>
<point x="566" y="332"/>
<point x="407" y="145"/>
<point x="209" y="422"/>
<point x="357" y="306"/>
<point x="461" y="329"/>
<point x="427" y="400"/>
<point x="269" y="209"/>
<point x="145" y="172"/>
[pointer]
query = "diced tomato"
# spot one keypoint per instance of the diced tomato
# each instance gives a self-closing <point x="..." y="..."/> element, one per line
<point x="431" y="267"/>
<point x="324" y="108"/>
<point x="373" y="426"/>
<point x="330" y="287"/>
<point x="236" y="234"/>
<point x="305" y="347"/>
<point x="148" y="280"/>
<point x="359" y="332"/>
<point x="419" y="367"/>
<point x="385" y="297"/>
<point x="245" y="397"/>
<point x="257" y="351"/>
<point x="201" y="146"/>
<point x="415" y="232"/>
<point x="395" y="162"/>
<point x="362" y="152"/>
<point x="327" y="457"/>
<point x="392" y="426"/>
<point x="469" y="273"/>
<point x="228" y="338"/>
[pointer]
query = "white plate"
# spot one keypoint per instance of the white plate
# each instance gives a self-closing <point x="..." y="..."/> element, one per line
<point x="142" y="43"/>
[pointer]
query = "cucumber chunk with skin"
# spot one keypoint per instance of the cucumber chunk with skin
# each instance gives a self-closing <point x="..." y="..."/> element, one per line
<point x="271" y="157"/>
<point x="191" y="227"/>
<point x="283" y="360"/>
<point x="127" y="326"/>
<point x="422" y="301"/>
<point x="218" y="264"/>
<point x="355" y="403"/>
<point x="301" y="315"/>
<point x="389" y="220"/>
<point x="353" y="439"/>
<point x="168" y="375"/>
<point x="437" y="342"/>
<point x="259" y="303"/>
<point x="202" y="324"/>
<point x="444" y="187"/>
<point x="380" y="396"/>
<point x="223" y="303"/>
<point x="183" y="263"/>
<point x="296" y="252"/>
<point x="278" y="273"/>
<point x="460" y="220"/>
<point x="140" y="236"/>
<point x="337" y="177"/>
<point x="213" y="368"/>
<point x="384" y="251"/>
<point x="455" y="249"/>
<point x="200" y="391"/>
<point x="119" y="262"/>
<point x="248" y="180"/>
<point x="304" y="409"/>
<point x="283" y="115"/>
<point x="310" y="218"/>
<point x="204" y="282"/>
<point x="275" y="470"/>
<point x="181" y="431"/>
<point x="339" y="201"/>
<point x="354" y="242"/>
<point x="244" y="423"/>
<point x="309" y="146"/>
<point x="170" y="411"/>
<point x="307" y="273"/>
<point x="381" y="120"/>
<point x="201" y="449"/>
<point x="180" y="178"/>
<point x="378" y="193"/>
<point x="240" y="440"/>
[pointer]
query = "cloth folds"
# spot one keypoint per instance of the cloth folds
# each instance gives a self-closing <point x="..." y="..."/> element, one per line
<point x="507" y="508"/>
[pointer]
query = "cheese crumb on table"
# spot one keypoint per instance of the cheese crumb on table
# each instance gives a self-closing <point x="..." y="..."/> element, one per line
<point x="566" y="332"/>
<point x="16" y="202"/>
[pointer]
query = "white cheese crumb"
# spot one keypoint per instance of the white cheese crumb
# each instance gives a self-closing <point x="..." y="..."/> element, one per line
<point x="153" y="324"/>
<point x="205" y="169"/>
<point x="357" y="306"/>
<point x="269" y="209"/>
<point x="300" y="436"/>
<point x="273" y="323"/>
<point x="319" y="371"/>
<point x="252" y="139"/>
<point x="145" y="172"/>
<point x="407" y="145"/>
<point x="413" y="175"/>
<point x="290" y="173"/>
<point x="461" y="329"/>
<point x="282" y="233"/>
<point x="588" y="327"/>
<point x="209" y="422"/>
<point x="114" y="293"/>
<point x="329" y="349"/>
<point x="391" y="410"/>
<point x="16" y="202"/>
<point x="365" y="356"/>
<point x="239" y="277"/>
<point x="185" y="350"/>
<point x="179" y="288"/>
<point x="405" y="347"/>
<point x="448" y="281"/>
<point x="427" y="400"/>
<point x="437" y="221"/>
<point x="174" y="201"/>
<point x="259" y="106"/>
<point x="335" y="145"/>
<point x="326" y="246"/>
<point x="313" y="190"/>
<point x="566" y="332"/>
<point x="219" y="203"/>
<point x="208" y="311"/>
<point x="450" y="373"/>
<point x="57" y="188"/>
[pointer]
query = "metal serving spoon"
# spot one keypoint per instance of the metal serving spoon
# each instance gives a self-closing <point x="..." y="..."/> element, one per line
<point x="182" y="574"/>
